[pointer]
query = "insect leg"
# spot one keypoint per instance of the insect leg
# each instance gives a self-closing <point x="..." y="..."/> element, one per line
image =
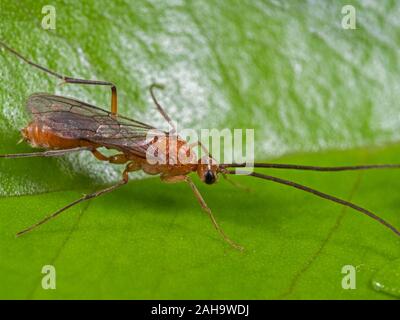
<point x="166" y="116"/>
<point x="158" y="105"/>
<point x="210" y="214"/>
<point x="114" y="96"/>
<point x="117" y="158"/>
<point x="114" y="104"/>
<point x="172" y="179"/>
<point x="84" y="198"/>
<point x="235" y="183"/>
<point x="48" y="153"/>
<point x="198" y="143"/>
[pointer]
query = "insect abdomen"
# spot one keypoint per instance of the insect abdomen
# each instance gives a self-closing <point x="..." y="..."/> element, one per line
<point x="41" y="136"/>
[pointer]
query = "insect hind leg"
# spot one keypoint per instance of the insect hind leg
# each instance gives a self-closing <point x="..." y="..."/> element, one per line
<point x="125" y="179"/>
<point x="65" y="79"/>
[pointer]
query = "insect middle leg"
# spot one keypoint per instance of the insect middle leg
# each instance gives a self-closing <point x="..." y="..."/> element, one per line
<point x="167" y="117"/>
<point x="65" y="79"/>
<point x="119" y="158"/>
<point x="175" y="179"/>
<point x="159" y="107"/>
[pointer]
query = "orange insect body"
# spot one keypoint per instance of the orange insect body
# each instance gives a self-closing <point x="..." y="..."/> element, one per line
<point x="64" y="125"/>
<point x="40" y="136"/>
<point x="171" y="150"/>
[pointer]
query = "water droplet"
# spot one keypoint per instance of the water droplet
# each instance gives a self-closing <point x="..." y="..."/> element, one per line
<point x="387" y="279"/>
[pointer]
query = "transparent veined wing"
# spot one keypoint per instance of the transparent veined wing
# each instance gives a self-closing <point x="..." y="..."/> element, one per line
<point x="74" y="119"/>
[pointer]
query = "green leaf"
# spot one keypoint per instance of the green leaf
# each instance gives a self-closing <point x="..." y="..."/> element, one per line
<point x="314" y="93"/>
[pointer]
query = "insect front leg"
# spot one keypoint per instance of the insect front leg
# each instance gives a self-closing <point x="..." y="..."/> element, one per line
<point x="175" y="179"/>
<point x="235" y="183"/>
<point x="210" y="214"/>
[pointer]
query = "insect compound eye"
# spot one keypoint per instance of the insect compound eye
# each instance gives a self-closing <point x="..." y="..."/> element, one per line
<point x="209" y="177"/>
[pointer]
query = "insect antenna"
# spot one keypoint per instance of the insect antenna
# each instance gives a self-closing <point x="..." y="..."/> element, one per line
<point x="324" y="196"/>
<point x="312" y="168"/>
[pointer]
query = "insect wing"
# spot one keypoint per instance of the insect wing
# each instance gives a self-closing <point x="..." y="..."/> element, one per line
<point x="73" y="119"/>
